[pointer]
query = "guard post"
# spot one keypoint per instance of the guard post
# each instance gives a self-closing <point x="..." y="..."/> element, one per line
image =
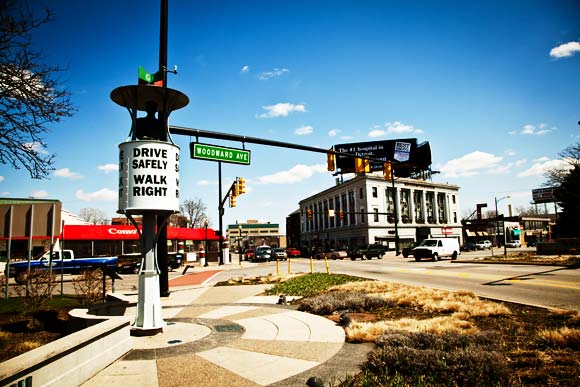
<point x="149" y="186"/>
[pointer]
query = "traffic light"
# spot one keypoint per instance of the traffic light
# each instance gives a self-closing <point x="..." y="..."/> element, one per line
<point x="235" y="189"/>
<point x="341" y="214"/>
<point x="232" y="201"/>
<point x="309" y="214"/>
<point x="362" y="165"/>
<point x="241" y="185"/>
<point x="388" y="170"/>
<point x="330" y="160"/>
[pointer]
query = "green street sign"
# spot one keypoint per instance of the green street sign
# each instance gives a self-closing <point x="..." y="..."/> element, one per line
<point x="219" y="153"/>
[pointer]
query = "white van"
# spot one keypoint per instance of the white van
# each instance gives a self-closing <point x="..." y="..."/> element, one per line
<point x="436" y="248"/>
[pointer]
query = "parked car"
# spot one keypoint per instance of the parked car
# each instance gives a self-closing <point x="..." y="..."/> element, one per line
<point x="469" y="246"/>
<point x="280" y="253"/>
<point x="264" y="253"/>
<point x="249" y="254"/>
<point x="332" y="254"/>
<point x="408" y="251"/>
<point x="531" y="243"/>
<point x="292" y="252"/>
<point x="368" y="252"/>
<point x="482" y="245"/>
<point x="514" y="243"/>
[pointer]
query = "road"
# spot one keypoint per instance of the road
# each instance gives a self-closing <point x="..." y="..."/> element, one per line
<point x="547" y="286"/>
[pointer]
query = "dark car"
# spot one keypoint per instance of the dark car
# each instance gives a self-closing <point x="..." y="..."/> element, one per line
<point x="469" y="246"/>
<point x="408" y="251"/>
<point x="264" y="253"/>
<point x="374" y="250"/>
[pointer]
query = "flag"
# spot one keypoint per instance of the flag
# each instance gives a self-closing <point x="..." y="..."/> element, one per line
<point x="150" y="79"/>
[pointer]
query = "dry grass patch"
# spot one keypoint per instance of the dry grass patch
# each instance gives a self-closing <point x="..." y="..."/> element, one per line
<point x="371" y="331"/>
<point x="561" y="337"/>
<point x="429" y="300"/>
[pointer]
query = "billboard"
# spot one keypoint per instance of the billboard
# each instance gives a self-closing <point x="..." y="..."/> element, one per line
<point x="407" y="156"/>
<point x="543" y="195"/>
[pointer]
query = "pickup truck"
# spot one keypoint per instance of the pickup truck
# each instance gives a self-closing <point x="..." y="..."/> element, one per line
<point x="375" y="250"/>
<point x="68" y="265"/>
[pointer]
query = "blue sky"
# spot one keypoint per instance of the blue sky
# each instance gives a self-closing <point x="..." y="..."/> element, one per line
<point x="494" y="86"/>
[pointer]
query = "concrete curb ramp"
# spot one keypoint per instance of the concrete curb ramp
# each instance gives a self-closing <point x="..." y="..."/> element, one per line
<point x="226" y="336"/>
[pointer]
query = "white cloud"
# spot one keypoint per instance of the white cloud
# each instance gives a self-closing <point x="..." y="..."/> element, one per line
<point x="534" y="130"/>
<point x="108" y="168"/>
<point x="334" y="132"/>
<point x="282" y="110"/>
<point x="376" y="133"/>
<point x="564" y="50"/>
<point x="295" y="174"/>
<point x="264" y="76"/>
<point x="103" y="195"/>
<point x="1" y="179"/>
<point x="204" y="182"/>
<point x="542" y="165"/>
<point x="471" y="164"/>
<point x="303" y="130"/>
<point x="245" y="69"/>
<point x="521" y="162"/>
<point x="346" y="137"/>
<point x="395" y="127"/>
<point x="39" y="194"/>
<point x="67" y="174"/>
<point x="542" y="159"/>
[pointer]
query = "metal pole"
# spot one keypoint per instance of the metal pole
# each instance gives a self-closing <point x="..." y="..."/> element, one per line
<point x="8" y="250"/>
<point x="221" y="212"/>
<point x="206" y="246"/>
<point x="396" y="213"/>
<point x="496" y="224"/>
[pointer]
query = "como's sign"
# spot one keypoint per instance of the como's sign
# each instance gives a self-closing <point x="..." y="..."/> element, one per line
<point x="219" y="153"/>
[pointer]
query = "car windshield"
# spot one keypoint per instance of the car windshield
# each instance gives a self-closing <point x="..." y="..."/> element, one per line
<point x="279" y="250"/>
<point x="429" y="242"/>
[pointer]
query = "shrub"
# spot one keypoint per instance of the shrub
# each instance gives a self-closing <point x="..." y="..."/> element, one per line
<point x="328" y="303"/>
<point x="89" y="285"/>
<point x="310" y="284"/>
<point x="36" y="293"/>
<point x="562" y="337"/>
<point x="450" y="360"/>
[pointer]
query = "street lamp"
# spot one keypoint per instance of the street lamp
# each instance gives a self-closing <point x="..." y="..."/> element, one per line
<point x="497" y="226"/>
<point x="206" y="247"/>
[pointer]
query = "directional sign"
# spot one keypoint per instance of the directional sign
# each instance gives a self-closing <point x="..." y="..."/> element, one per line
<point x="219" y="153"/>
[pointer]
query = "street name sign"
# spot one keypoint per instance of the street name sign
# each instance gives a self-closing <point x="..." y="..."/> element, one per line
<point x="219" y="153"/>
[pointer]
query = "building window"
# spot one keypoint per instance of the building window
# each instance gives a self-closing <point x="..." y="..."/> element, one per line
<point x="375" y="192"/>
<point x="405" y="208"/>
<point x="454" y="217"/>
<point x="418" y="206"/>
<point x="376" y="215"/>
<point x="441" y="208"/>
<point x="453" y="199"/>
<point x="362" y="215"/>
<point x="343" y="208"/>
<point x="390" y="194"/>
<point x="331" y="207"/>
<point x="360" y="193"/>
<point x="337" y="211"/>
<point x="351" y="207"/>
<point x="325" y="214"/>
<point x="430" y="198"/>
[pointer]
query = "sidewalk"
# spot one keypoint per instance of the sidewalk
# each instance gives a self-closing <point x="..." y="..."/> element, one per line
<point x="231" y="336"/>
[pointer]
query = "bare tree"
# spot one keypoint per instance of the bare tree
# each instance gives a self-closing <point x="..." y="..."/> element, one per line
<point x="571" y="155"/>
<point x="93" y="215"/>
<point x="196" y="211"/>
<point x="31" y="96"/>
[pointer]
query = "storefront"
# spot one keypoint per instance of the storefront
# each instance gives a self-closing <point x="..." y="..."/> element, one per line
<point x="115" y="240"/>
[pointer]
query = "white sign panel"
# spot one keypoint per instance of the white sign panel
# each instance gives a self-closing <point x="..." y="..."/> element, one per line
<point x="402" y="150"/>
<point x="148" y="176"/>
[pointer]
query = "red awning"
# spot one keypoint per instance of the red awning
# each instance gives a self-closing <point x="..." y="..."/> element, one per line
<point x="105" y="232"/>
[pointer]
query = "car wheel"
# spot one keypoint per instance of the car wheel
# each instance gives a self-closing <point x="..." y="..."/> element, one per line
<point x="21" y="277"/>
<point x="454" y="255"/>
<point x="136" y="269"/>
<point x="435" y="257"/>
<point x="380" y="256"/>
<point x="417" y="259"/>
<point x="405" y="255"/>
<point x="352" y="258"/>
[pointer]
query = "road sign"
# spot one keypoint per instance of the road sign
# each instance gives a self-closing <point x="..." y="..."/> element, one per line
<point x="446" y="230"/>
<point x="219" y="153"/>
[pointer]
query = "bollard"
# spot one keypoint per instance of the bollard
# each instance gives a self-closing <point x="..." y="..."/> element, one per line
<point x="277" y="267"/>
<point x="311" y="265"/>
<point x="289" y="266"/>
<point x="327" y="267"/>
